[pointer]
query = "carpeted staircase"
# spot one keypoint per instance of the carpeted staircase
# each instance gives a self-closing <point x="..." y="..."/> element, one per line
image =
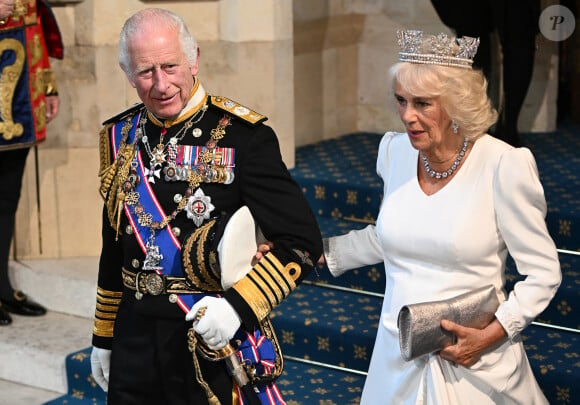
<point x="327" y="326"/>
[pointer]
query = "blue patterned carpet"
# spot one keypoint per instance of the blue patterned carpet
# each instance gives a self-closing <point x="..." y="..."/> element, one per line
<point x="322" y="323"/>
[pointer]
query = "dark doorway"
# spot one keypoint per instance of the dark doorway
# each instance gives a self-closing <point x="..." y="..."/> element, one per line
<point x="569" y="72"/>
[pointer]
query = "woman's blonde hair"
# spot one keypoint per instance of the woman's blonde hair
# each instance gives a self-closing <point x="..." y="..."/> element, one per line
<point x="462" y="93"/>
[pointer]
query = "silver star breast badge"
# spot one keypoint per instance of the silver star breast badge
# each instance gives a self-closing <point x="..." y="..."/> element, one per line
<point x="199" y="207"/>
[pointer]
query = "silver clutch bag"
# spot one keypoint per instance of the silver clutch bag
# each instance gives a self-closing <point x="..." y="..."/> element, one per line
<point x="420" y="330"/>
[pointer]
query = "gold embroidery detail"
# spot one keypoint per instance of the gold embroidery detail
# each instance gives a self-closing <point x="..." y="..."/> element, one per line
<point x="237" y="109"/>
<point x="273" y="280"/>
<point x="106" y="315"/>
<point x="102" y="307"/>
<point x="40" y="116"/>
<point x="109" y="294"/>
<point x="286" y="273"/>
<point x="208" y="282"/>
<point x="114" y="175"/>
<point x="253" y="296"/>
<point x="266" y="285"/>
<point x="8" y="80"/>
<point x="19" y="11"/>
<point x="49" y="83"/>
<point x="293" y="266"/>
<point x="37" y="83"/>
<point x="35" y="50"/>
<point x="108" y="297"/>
<point x="103" y="328"/>
<point x="106" y="166"/>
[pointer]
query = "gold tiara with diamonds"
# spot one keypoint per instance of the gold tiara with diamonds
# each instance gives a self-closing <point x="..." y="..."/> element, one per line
<point x="436" y="49"/>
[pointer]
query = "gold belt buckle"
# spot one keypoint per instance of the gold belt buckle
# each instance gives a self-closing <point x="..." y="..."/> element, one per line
<point x="154" y="284"/>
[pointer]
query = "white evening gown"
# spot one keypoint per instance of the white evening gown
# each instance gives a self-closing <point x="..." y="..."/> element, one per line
<point x="438" y="246"/>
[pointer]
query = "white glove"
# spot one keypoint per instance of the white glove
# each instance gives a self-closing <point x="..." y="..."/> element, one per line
<point x="218" y="325"/>
<point x="100" y="362"/>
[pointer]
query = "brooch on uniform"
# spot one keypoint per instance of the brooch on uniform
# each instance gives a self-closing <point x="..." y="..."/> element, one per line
<point x="199" y="207"/>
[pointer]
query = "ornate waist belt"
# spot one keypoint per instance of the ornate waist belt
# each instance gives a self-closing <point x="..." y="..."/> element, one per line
<point x="147" y="282"/>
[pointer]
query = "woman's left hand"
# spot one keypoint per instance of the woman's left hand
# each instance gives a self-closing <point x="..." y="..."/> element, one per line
<point x="471" y="343"/>
<point x="263" y="249"/>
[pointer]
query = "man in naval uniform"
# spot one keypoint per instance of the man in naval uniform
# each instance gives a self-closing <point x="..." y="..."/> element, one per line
<point x="174" y="170"/>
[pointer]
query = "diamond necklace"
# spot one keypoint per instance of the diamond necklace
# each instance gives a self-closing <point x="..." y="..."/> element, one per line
<point x="448" y="172"/>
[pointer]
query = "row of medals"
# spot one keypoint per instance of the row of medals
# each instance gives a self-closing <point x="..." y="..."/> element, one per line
<point x="198" y="206"/>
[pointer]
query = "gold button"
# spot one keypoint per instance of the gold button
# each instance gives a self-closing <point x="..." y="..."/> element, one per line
<point x="135" y="263"/>
<point x="129" y="230"/>
<point x="176" y="231"/>
<point x="173" y="298"/>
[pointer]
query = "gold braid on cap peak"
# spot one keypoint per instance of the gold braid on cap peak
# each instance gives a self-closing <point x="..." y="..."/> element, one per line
<point x="436" y="49"/>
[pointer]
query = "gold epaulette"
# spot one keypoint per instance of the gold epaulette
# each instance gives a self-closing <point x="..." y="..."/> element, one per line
<point x="237" y="110"/>
<point x="105" y="149"/>
<point x="129" y="111"/>
<point x="114" y="171"/>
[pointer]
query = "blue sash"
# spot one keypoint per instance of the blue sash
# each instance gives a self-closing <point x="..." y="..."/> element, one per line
<point x="164" y="238"/>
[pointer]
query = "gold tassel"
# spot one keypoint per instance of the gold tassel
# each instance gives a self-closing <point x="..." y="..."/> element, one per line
<point x="191" y="344"/>
<point x="119" y="209"/>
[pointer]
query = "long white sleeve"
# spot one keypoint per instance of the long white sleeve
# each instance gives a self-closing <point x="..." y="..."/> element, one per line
<point x="355" y="249"/>
<point x="521" y="208"/>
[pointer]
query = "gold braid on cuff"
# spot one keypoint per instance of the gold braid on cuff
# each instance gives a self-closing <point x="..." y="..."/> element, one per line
<point x="267" y="284"/>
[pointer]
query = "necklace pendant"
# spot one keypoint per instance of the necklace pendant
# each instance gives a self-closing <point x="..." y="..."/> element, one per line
<point x="151" y="173"/>
<point x="152" y="258"/>
<point x="158" y="155"/>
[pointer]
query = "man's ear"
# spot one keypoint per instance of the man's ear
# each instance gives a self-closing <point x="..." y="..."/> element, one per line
<point x="195" y="66"/>
<point x="131" y="82"/>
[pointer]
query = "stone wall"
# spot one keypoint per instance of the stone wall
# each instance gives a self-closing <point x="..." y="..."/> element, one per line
<point x="316" y="68"/>
<point x="246" y="54"/>
<point x="342" y="52"/>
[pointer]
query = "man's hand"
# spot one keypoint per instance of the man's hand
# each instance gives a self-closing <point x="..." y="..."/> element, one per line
<point x="471" y="343"/>
<point x="6" y="8"/>
<point x="217" y="323"/>
<point x="52" y="105"/>
<point x="100" y="363"/>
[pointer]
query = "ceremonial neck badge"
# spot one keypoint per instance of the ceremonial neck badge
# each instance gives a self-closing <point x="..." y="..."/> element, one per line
<point x="158" y="155"/>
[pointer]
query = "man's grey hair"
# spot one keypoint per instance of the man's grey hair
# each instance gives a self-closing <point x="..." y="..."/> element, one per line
<point x="160" y="18"/>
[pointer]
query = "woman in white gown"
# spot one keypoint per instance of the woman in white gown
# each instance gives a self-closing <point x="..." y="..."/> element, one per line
<point x="456" y="202"/>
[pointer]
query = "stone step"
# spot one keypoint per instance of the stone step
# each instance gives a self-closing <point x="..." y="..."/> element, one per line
<point x="12" y="393"/>
<point x="62" y="285"/>
<point x="33" y="349"/>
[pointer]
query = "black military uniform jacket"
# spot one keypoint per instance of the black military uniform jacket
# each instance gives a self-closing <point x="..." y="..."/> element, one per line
<point x="260" y="181"/>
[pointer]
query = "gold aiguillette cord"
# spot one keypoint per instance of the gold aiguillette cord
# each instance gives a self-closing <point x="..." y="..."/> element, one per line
<point x="191" y="344"/>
